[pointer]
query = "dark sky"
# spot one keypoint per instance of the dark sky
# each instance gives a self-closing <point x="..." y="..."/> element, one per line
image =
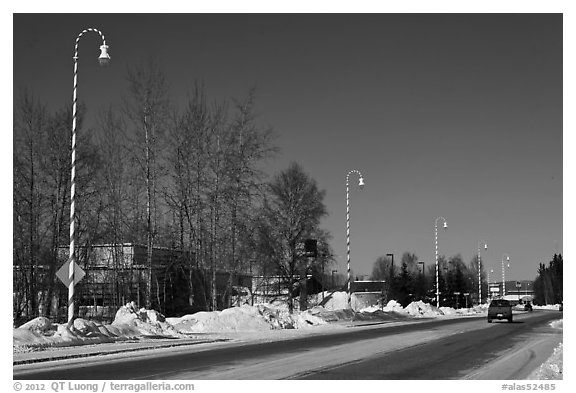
<point x="453" y="115"/>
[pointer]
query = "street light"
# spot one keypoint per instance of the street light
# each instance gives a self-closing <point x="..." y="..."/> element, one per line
<point x="480" y="271"/>
<point x="103" y="59"/>
<point x="504" y="274"/>
<point x="436" y="256"/>
<point x="361" y="185"/>
<point x="489" y="294"/>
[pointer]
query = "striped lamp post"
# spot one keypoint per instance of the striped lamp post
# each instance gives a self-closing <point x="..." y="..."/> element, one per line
<point x="480" y="271"/>
<point x="436" y="256"/>
<point x="104" y="58"/>
<point x="361" y="185"/>
<point x="489" y="294"/>
<point x="504" y="272"/>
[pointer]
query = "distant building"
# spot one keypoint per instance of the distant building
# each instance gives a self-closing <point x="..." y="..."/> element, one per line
<point x="117" y="274"/>
<point x="516" y="291"/>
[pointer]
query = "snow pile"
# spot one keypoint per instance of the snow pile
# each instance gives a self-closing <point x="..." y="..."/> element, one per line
<point x="145" y="322"/>
<point x="421" y="309"/>
<point x="393" y="306"/>
<point x="41" y="333"/>
<point x="329" y="315"/>
<point x="244" y="318"/>
<point x="128" y="324"/>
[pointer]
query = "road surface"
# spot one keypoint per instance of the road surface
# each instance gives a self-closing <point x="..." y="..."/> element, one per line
<point x="465" y="348"/>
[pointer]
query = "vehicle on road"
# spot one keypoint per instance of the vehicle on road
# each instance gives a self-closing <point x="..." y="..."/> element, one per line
<point x="500" y="309"/>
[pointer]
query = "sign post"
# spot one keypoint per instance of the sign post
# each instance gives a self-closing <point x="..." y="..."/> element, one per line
<point x="70" y="274"/>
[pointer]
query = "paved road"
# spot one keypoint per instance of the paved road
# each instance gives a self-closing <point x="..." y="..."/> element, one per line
<point x="436" y="349"/>
<point x="502" y="351"/>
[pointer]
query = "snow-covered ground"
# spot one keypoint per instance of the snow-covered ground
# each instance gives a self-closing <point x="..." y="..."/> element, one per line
<point x="553" y="367"/>
<point x="132" y="323"/>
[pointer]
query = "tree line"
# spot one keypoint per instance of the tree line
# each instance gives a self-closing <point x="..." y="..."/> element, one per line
<point x="149" y="172"/>
<point x="413" y="280"/>
<point x="548" y="284"/>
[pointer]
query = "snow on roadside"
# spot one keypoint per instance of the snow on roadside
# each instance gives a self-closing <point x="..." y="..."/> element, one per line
<point x="131" y="323"/>
<point x="547" y="307"/>
<point x="553" y="367"/>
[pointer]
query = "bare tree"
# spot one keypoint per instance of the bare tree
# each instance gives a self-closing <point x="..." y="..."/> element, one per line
<point x="291" y="213"/>
<point x="247" y="147"/>
<point x="147" y="111"/>
<point x="112" y="147"/>
<point x="187" y="157"/>
<point x="30" y="122"/>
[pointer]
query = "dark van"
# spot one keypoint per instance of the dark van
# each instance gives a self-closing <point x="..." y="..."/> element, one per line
<point x="500" y="309"/>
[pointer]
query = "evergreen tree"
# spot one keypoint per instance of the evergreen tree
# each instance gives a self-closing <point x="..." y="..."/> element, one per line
<point x="404" y="285"/>
<point x="548" y="288"/>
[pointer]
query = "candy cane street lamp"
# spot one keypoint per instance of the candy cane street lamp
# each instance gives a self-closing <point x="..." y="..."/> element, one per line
<point x="436" y="256"/>
<point x="480" y="271"/>
<point x="361" y="185"/>
<point x="103" y="59"/>
<point x="489" y="294"/>
<point x="503" y="272"/>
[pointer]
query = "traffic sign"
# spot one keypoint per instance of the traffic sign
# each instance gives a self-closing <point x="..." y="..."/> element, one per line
<point x="63" y="273"/>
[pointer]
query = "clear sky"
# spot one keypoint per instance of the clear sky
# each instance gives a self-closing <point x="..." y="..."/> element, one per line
<point x="453" y="115"/>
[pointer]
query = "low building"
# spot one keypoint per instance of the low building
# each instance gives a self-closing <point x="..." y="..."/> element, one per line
<point x="118" y="274"/>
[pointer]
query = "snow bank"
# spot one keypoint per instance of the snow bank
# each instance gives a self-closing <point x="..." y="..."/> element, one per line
<point x="552" y="368"/>
<point x="547" y="307"/>
<point x="421" y="309"/>
<point x="244" y="318"/>
<point x="133" y="323"/>
<point x="393" y="305"/>
<point x="41" y="333"/>
<point x="145" y="322"/>
<point x="128" y="324"/>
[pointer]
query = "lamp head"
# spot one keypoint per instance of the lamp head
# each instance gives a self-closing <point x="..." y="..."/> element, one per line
<point x="507" y="258"/>
<point x="485" y="246"/>
<point x="445" y="225"/>
<point x="361" y="182"/>
<point x="104" y="58"/>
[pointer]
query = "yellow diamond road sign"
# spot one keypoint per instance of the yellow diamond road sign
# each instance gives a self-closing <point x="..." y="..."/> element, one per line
<point x="62" y="273"/>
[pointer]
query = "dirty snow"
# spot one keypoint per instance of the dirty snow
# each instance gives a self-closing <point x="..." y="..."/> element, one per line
<point x="553" y="367"/>
<point x="131" y="323"/>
